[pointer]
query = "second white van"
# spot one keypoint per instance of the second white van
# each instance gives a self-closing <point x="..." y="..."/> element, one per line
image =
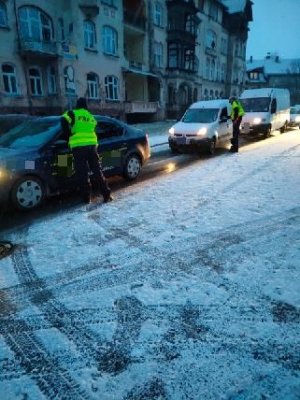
<point x="267" y="110"/>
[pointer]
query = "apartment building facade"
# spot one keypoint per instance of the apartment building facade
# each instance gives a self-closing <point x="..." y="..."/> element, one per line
<point x="138" y="60"/>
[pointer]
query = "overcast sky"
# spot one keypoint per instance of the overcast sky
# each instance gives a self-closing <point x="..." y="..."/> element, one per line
<point x="275" y="28"/>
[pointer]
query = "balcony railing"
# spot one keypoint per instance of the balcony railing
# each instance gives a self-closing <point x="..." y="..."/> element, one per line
<point x="42" y="48"/>
<point x="141" y="107"/>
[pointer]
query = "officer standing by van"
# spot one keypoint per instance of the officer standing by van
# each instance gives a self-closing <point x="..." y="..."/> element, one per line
<point x="236" y="116"/>
<point x="79" y="126"/>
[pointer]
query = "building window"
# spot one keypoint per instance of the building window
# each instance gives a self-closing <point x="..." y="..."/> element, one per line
<point x="158" y="54"/>
<point x="93" y="86"/>
<point x="3" y="14"/>
<point x="211" y="39"/>
<point x="224" y="46"/>
<point x="158" y="14"/>
<point x="207" y="68"/>
<point x="35" y="24"/>
<point x="173" y="56"/>
<point x="89" y="35"/>
<point x="213" y="70"/>
<point x="35" y="80"/>
<point x="109" y="40"/>
<point x="51" y="78"/>
<point x="223" y="69"/>
<point x="69" y="80"/>
<point x="61" y="27"/>
<point x="189" y="59"/>
<point x="213" y="11"/>
<point x="190" y="25"/>
<point x="253" y="75"/>
<point x="201" y="5"/>
<point x="111" y="88"/>
<point x="9" y="79"/>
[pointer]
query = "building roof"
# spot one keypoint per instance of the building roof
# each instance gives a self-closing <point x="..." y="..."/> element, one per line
<point x="274" y="65"/>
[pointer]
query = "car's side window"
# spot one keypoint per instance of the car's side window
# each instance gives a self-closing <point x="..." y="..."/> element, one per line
<point x="105" y="130"/>
<point x="224" y="113"/>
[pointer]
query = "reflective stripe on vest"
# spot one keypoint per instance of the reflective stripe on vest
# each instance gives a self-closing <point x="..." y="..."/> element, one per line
<point x="237" y="104"/>
<point x="83" y="130"/>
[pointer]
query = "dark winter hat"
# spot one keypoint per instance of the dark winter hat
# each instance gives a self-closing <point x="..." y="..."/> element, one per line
<point x="231" y="99"/>
<point x="81" y="103"/>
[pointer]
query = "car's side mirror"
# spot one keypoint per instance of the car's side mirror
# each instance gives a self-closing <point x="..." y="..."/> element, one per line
<point x="224" y="118"/>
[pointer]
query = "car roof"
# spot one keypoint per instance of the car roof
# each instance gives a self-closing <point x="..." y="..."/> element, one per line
<point x="211" y="103"/>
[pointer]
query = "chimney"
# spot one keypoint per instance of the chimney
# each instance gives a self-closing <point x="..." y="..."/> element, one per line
<point x="277" y="59"/>
<point x="251" y="59"/>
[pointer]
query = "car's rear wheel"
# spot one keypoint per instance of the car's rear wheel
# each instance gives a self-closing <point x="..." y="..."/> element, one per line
<point x="132" y="167"/>
<point x="27" y="193"/>
<point x="212" y="146"/>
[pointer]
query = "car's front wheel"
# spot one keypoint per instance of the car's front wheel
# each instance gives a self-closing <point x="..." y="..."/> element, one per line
<point x="212" y="146"/>
<point x="132" y="167"/>
<point x="267" y="133"/>
<point x="27" y="193"/>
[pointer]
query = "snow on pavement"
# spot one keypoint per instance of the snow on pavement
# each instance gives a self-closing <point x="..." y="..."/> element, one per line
<point x="186" y="287"/>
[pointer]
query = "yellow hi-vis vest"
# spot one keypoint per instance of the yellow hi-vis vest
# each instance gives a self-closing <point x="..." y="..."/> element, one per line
<point x="236" y="104"/>
<point x="83" y="130"/>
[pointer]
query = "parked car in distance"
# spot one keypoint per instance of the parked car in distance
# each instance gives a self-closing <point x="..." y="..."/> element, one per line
<point x="295" y="116"/>
<point x="205" y="124"/>
<point x="36" y="162"/>
<point x="8" y="121"/>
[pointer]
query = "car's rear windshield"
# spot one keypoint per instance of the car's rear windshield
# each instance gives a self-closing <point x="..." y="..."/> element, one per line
<point x="200" y="115"/>
<point x="257" y="104"/>
<point x="32" y="133"/>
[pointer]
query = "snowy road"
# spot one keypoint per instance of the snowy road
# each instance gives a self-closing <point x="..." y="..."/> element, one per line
<point x="185" y="287"/>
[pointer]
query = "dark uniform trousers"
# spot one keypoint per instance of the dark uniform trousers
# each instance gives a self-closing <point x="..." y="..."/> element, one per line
<point x="236" y="133"/>
<point x="86" y="158"/>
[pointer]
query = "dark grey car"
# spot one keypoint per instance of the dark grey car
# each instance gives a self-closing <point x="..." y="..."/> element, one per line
<point x="35" y="161"/>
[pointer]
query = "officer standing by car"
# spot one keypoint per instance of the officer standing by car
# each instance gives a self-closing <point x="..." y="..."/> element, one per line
<point x="236" y="116"/>
<point x="79" y="126"/>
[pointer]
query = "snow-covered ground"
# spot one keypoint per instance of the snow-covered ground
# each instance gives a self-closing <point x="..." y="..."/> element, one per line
<point x="186" y="287"/>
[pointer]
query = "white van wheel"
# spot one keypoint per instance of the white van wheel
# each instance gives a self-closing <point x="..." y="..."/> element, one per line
<point x="268" y="132"/>
<point x="283" y="128"/>
<point x="212" y="146"/>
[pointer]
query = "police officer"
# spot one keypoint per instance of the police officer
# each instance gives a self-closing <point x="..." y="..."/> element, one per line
<point x="79" y="126"/>
<point x="236" y="116"/>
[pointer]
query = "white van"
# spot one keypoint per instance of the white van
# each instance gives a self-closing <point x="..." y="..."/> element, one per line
<point x="204" y="124"/>
<point x="267" y="110"/>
